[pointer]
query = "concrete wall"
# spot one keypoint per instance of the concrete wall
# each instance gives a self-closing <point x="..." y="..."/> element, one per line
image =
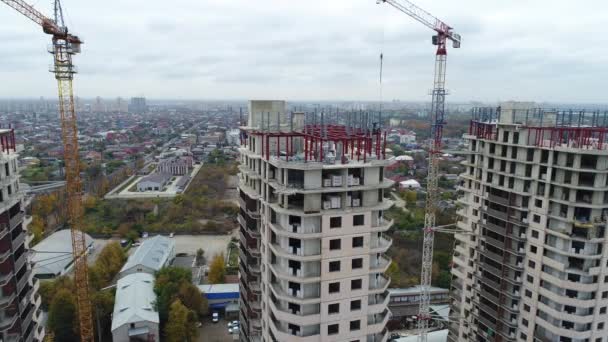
<point x="276" y="109"/>
<point x="312" y="179"/>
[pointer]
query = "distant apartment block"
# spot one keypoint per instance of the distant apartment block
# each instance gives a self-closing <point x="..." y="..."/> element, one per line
<point x="138" y="105"/>
<point x="534" y="266"/>
<point x="312" y="224"/>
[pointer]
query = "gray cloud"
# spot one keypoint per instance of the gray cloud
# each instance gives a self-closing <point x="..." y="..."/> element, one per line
<point x="314" y="49"/>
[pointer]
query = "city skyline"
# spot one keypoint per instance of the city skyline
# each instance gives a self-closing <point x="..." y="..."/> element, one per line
<point x="313" y="50"/>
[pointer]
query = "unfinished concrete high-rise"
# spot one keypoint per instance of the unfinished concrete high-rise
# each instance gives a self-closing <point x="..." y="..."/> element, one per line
<point x="534" y="201"/>
<point x="312" y="223"/>
<point x="20" y="313"/>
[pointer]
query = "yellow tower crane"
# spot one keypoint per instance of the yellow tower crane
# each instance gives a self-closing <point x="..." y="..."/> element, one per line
<point x="64" y="46"/>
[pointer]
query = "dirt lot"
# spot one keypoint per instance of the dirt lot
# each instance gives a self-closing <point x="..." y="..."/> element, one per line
<point x="215" y="332"/>
<point x="211" y="244"/>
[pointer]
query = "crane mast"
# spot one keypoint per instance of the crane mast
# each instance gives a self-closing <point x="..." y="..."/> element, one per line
<point x="64" y="46"/>
<point x="437" y="117"/>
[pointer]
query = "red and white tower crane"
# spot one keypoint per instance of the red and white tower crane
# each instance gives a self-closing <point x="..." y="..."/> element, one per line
<point x="443" y="33"/>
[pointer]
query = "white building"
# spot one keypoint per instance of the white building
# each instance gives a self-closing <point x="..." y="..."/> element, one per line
<point x="60" y="261"/>
<point x="152" y="255"/>
<point x="409" y="184"/>
<point x="408" y="138"/>
<point x="153" y="182"/>
<point x="233" y="137"/>
<point x="312" y="242"/>
<point x="134" y="317"/>
<point x="535" y="201"/>
<point x="175" y="166"/>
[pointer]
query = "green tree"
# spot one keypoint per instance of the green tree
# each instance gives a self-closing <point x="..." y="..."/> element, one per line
<point x="200" y="256"/>
<point x="217" y="269"/>
<point x="109" y="262"/>
<point x="181" y="326"/>
<point x="36" y="228"/>
<point x="103" y="303"/>
<point x="410" y="198"/>
<point x="193" y="299"/>
<point x="62" y="319"/>
<point x="166" y="288"/>
<point x="49" y="288"/>
<point x="394" y="272"/>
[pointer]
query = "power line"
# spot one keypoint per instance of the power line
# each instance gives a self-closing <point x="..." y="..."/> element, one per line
<point x="53" y="262"/>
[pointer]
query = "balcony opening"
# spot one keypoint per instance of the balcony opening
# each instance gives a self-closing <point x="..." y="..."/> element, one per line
<point x="582" y="214"/>
<point x="569" y="159"/>
<point x="588" y="161"/>
<point x="578" y="246"/>
<point x="295" y="178"/>
<point x="273" y="238"/>
<point x="530" y="155"/>
<point x="577" y="264"/>
<point x="355" y="177"/>
<point x="332" y="178"/>
<point x="584" y="196"/>
<point x="295" y="268"/>
<point x="296" y="201"/>
<point x="579" y="232"/>
<point x="544" y="156"/>
<point x="294" y="308"/>
<point x="331" y="201"/>
<point x="294" y="329"/>
<point x="294" y="289"/>
<point x="295" y="222"/>
<point x="295" y="246"/>
<point x="586" y="179"/>
<point x="568" y="177"/>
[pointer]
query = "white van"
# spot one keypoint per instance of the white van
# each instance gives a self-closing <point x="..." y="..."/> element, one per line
<point x="215" y="317"/>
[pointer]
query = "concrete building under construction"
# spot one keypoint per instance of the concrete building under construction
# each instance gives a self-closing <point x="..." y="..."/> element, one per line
<point x="20" y="312"/>
<point x="533" y="264"/>
<point x="312" y="223"/>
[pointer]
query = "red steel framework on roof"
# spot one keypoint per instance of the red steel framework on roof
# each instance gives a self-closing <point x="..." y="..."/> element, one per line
<point x="550" y="136"/>
<point x="360" y="143"/>
<point x="7" y="140"/>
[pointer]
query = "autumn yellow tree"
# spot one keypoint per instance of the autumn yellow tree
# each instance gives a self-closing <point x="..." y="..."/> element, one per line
<point x="37" y="228"/>
<point x="217" y="269"/>
<point x="181" y="325"/>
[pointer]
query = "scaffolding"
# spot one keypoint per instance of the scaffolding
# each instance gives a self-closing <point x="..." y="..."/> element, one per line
<point x="335" y="138"/>
<point x="7" y="140"/>
<point x="550" y="128"/>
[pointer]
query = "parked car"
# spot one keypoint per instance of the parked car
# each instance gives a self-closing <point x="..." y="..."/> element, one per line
<point x="215" y="317"/>
<point x="233" y="324"/>
<point x="233" y="330"/>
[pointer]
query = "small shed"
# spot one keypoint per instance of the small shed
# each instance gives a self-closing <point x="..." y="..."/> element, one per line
<point x="222" y="298"/>
<point x="409" y="184"/>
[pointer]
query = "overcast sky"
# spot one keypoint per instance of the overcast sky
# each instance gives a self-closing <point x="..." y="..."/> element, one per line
<point x="543" y="50"/>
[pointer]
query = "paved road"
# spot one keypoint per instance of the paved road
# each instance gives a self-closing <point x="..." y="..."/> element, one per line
<point x="215" y="332"/>
<point x="98" y="245"/>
